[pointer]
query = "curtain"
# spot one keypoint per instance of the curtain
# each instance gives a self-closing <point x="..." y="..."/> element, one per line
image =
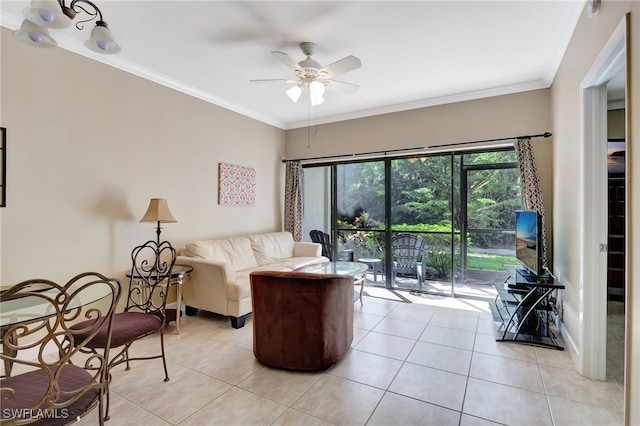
<point x="293" y="200"/>
<point x="530" y="185"/>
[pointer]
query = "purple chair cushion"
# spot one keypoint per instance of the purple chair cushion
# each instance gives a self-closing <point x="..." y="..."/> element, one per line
<point x="30" y="387"/>
<point x="127" y="326"/>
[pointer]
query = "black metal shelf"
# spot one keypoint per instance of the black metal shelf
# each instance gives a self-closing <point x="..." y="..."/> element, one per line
<point x="526" y="312"/>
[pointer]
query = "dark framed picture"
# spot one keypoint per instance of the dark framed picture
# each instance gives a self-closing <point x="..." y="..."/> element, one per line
<point x="3" y="164"/>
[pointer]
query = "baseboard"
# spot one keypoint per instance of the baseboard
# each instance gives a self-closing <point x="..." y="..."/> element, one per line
<point x="570" y="345"/>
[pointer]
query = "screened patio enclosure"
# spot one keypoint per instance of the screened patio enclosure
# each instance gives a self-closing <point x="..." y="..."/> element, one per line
<point x="407" y="216"/>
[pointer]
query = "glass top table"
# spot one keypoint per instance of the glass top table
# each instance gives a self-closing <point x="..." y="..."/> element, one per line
<point x="355" y="269"/>
<point x="31" y="307"/>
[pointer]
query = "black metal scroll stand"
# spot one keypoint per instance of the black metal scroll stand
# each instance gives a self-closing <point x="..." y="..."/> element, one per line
<point x="525" y="308"/>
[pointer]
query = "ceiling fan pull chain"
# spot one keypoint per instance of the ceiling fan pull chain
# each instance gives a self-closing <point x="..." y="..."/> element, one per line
<point x="308" y="125"/>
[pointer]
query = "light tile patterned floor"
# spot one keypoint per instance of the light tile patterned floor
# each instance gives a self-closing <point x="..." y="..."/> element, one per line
<point x="432" y="361"/>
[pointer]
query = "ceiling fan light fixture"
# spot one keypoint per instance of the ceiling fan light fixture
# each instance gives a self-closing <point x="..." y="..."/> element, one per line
<point x="312" y="78"/>
<point x="294" y="93"/>
<point x="315" y="101"/>
<point x="316" y="90"/>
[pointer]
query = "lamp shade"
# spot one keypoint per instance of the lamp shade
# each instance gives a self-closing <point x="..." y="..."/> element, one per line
<point x="34" y="35"/>
<point x="158" y="211"/>
<point x="101" y="40"/>
<point x="46" y="13"/>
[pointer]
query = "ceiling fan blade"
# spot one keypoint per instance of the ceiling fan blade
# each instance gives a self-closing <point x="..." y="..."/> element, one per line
<point x="274" y="80"/>
<point x="341" y="86"/>
<point x="347" y="64"/>
<point x="286" y="60"/>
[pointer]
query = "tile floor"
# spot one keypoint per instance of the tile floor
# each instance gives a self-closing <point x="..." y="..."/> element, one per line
<point x="414" y="360"/>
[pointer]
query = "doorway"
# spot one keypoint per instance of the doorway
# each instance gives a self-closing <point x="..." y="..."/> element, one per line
<point x="616" y="242"/>
<point x="594" y="188"/>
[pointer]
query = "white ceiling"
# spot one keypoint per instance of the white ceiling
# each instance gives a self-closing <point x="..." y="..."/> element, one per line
<point x="413" y="53"/>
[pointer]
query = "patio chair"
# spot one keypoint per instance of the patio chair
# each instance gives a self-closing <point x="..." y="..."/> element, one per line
<point x="409" y="256"/>
<point x="57" y="384"/>
<point x="324" y="240"/>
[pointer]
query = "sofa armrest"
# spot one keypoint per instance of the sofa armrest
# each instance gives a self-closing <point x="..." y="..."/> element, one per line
<point x="306" y="249"/>
<point x="214" y="270"/>
<point x="208" y="286"/>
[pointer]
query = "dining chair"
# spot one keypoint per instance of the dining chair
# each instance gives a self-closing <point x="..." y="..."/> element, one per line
<point x="50" y="380"/>
<point x="144" y="313"/>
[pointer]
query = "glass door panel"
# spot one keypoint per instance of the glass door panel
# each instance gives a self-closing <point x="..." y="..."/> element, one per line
<point x="360" y="214"/>
<point x="317" y="200"/>
<point x="490" y="195"/>
<point x="421" y="207"/>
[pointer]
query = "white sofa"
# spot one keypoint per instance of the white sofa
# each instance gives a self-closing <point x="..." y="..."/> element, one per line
<point x="220" y="279"/>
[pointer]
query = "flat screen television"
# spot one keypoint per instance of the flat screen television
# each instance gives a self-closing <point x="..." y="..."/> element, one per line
<point x="529" y="242"/>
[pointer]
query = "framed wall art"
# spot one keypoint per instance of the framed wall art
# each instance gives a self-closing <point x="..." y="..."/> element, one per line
<point x="236" y="185"/>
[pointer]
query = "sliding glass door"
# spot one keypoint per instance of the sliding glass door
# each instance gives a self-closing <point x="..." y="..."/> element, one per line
<point x="406" y="218"/>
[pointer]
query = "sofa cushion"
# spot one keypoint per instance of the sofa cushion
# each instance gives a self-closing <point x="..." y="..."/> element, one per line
<point x="294" y="263"/>
<point x="237" y="251"/>
<point x="272" y="247"/>
<point x="201" y="249"/>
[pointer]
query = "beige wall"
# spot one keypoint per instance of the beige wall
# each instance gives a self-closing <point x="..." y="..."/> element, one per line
<point x="501" y="116"/>
<point x="588" y="41"/>
<point x="616" y="123"/>
<point x="90" y="144"/>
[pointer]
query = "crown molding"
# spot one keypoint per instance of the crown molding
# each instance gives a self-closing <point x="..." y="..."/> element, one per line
<point x="442" y="100"/>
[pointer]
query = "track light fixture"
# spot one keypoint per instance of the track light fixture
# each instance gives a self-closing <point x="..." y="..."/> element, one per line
<point x="45" y="14"/>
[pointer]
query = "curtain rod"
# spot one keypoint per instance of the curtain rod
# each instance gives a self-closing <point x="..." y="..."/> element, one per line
<point x="395" y="151"/>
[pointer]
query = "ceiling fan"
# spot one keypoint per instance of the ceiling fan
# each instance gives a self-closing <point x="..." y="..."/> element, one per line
<point x="312" y="78"/>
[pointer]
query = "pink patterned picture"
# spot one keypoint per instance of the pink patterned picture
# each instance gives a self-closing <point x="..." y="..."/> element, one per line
<point x="237" y="185"/>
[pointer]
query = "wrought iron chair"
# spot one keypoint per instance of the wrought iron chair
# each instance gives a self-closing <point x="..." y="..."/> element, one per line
<point x="144" y="313"/>
<point x="60" y="384"/>
<point x="323" y="239"/>
<point x="409" y="256"/>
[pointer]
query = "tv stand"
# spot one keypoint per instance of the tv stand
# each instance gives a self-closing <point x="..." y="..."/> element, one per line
<point x="526" y="308"/>
<point x="524" y="276"/>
